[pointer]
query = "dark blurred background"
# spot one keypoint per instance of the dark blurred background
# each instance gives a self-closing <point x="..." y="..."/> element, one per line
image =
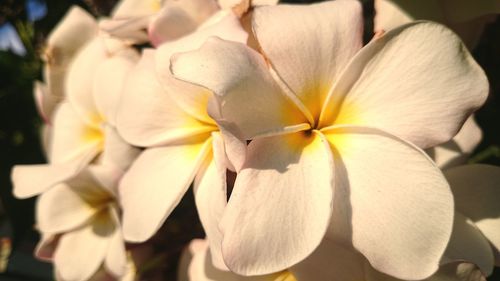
<point x="20" y="65"/>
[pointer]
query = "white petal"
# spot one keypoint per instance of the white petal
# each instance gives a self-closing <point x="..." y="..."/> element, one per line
<point x="80" y="79"/>
<point x="385" y="192"/>
<point x="109" y="82"/>
<point x="116" y="258"/>
<point x="131" y="30"/>
<point x="72" y="138"/>
<point x="31" y="180"/>
<point x="179" y="18"/>
<point x="456" y="151"/>
<point x="248" y="103"/>
<point x="388" y="85"/>
<point x="468" y="244"/>
<point x="309" y="54"/>
<point x="62" y="209"/>
<point x="281" y="204"/>
<point x="210" y="193"/>
<point x="155" y="184"/>
<point x="81" y="252"/>
<point x="75" y="30"/>
<point x="117" y="151"/>
<point x="331" y="261"/>
<point x="191" y="98"/>
<point x="476" y="191"/>
<point x="45" y="101"/>
<point x="147" y="115"/>
<point x="135" y="8"/>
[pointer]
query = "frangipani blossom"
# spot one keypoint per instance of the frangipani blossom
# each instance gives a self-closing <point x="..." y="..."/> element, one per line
<point x="466" y="18"/>
<point x="182" y="142"/>
<point x="196" y="265"/>
<point x="83" y="125"/>
<point x="79" y="220"/>
<point x="332" y="129"/>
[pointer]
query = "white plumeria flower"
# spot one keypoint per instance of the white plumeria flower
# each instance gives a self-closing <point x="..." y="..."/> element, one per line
<point x="79" y="220"/>
<point x="75" y="30"/>
<point x="467" y="18"/>
<point x="196" y="265"/>
<point x="332" y="129"/>
<point x="83" y="126"/>
<point x="169" y="118"/>
<point x="456" y="151"/>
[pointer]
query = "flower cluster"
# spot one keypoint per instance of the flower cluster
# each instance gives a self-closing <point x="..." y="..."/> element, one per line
<point x="347" y="157"/>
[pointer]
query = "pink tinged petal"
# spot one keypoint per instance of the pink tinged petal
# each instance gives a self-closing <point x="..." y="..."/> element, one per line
<point x="131" y="30"/>
<point x="248" y="102"/>
<point x="476" y="191"/>
<point x="391" y="202"/>
<point x="80" y="80"/>
<point x="75" y="30"/>
<point x="388" y="85"/>
<point x="110" y="77"/>
<point x="31" y="180"/>
<point x="147" y="115"/>
<point x="155" y="184"/>
<point x="468" y="244"/>
<point x="191" y="98"/>
<point x="309" y="54"/>
<point x="456" y="151"/>
<point x="331" y="261"/>
<point x="179" y="18"/>
<point x="45" y="101"/>
<point x="46" y="247"/>
<point x="210" y="193"/>
<point x="281" y="204"/>
<point x="117" y="152"/>
<point x="62" y="209"/>
<point x="81" y="252"/>
<point x="72" y="138"/>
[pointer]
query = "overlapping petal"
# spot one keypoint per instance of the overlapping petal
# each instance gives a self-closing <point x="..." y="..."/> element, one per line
<point x="155" y="184"/>
<point x="309" y="54"/>
<point x="279" y="206"/>
<point x="388" y="85"/>
<point x="385" y="191"/>
<point x="147" y="115"/>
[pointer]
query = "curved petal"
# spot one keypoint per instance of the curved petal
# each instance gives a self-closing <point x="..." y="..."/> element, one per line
<point x="117" y="151"/>
<point x="191" y="98"/>
<point x="80" y="80"/>
<point x="46" y="247"/>
<point x="46" y="103"/>
<point x="385" y="190"/>
<point x="155" y="184"/>
<point x="309" y="54"/>
<point x="31" y="180"/>
<point x="476" y="191"/>
<point x="179" y="18"/>
<point x="388" y="85"/>
<point x="62" y="209"/>
<point x="75" y="30"/>
<point x="210" y="193"/>
<point x="130" y="30"/>
<point x="248" y="103"/>
<point x="196" y="265"/>
<point x="281" y="204"/>
<point x="109" y="81"/>
<point x="468" y="244"/>
<point x="116" y="257"/>
<point x="331" y="261"/>
<point x="81" y="252"/>
<point x="147" y="115"/>
<point x="458" y="149"/>
<point x="135" y="8"/>
<point x="72" y="138"/>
